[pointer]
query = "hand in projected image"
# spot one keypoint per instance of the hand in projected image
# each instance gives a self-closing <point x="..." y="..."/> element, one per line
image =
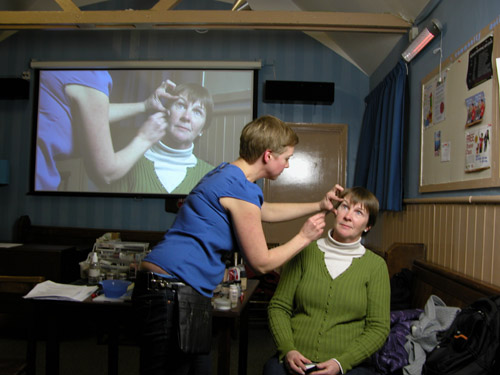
<point x="153" y="129"/>
<point x="169" y="165"/>
<point x="163" y="93"/>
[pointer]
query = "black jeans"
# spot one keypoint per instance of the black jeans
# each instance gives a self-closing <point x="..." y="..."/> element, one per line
<point x="157" y="333"/>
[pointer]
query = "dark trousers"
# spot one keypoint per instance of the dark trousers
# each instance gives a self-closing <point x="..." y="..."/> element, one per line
<point x="274" y="367"/>
<point x="157" y="334"/>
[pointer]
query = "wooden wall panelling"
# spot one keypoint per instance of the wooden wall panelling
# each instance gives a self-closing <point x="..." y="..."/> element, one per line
<point x="478" y="249"/>
<point x="495" y="263"/>
<point x="470" y="240"/>
<point x="460" y="236"/>
<point x="428" y="230"/>
<point x="489" y="240"/>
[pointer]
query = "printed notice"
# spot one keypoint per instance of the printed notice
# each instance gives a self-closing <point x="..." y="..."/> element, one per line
<point x="434" y="101"/>
<point x="445" y="151"/>
<point x="478" y="148"/>
<point x="480" y="68"/>
<point x="475" y="109"/>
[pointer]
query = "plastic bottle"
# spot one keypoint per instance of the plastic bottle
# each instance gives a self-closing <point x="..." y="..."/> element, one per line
<point x="243" y="278"/>
<point x="94" y="270"/>
<point x="233" y="295"/>
<point x="238" y="285"/>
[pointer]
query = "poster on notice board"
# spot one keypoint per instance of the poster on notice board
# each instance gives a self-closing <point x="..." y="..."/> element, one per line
<point x="478" y="148"/>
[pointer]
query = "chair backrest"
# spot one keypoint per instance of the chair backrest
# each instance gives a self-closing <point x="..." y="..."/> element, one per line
<point x="13" y="308"/>
<point x="19" y="284"/>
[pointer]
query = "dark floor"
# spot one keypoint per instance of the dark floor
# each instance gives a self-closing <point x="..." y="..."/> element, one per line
<point x="84" y="356"/>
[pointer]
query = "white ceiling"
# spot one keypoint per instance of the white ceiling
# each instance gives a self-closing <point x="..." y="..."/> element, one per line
<point x="365" y="50"/>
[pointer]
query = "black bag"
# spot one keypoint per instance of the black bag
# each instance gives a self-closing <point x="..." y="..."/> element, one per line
<point x="471" y="344"/>
<point x="194" y="321"/>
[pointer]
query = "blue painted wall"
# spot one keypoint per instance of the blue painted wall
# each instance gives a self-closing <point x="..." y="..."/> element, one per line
<point x="462" y="20"/>
<point x="284" y="55"/>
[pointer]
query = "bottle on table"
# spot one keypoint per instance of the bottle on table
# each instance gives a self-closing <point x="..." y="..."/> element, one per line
<point x="94" y="270"/>
<point x="233" y="295"/>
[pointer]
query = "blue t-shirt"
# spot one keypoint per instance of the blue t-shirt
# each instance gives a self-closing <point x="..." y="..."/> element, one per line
<point x="202" y="232"/>
<point x="55" y="133"/>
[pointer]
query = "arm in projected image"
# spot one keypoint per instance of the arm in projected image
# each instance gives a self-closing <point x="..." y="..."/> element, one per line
<point x="93" y="113"/>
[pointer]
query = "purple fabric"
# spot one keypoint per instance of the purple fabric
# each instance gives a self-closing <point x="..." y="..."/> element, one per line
<point x="393" y="356"/>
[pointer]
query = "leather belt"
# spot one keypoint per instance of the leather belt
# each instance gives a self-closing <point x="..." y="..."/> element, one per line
<point x="154" y="281"/>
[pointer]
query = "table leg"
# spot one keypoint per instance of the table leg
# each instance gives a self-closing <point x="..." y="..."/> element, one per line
<point x="31" y="342"/>
<point x="113" y="352"/>
<point x="31" y="356"/>
<point x="243" y="346"/>
<point x="52" y="351"/>
<point x="224" y="348"/>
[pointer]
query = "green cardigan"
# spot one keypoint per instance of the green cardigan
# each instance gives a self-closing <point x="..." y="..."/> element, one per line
<point x="142" y="178"/>
<point x="347" y="318"/>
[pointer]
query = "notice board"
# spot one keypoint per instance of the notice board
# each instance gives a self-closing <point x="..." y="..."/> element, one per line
<point x="459" y="118"/>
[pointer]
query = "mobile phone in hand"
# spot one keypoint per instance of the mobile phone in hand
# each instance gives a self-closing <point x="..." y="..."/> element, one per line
<point x="310" y="367"/>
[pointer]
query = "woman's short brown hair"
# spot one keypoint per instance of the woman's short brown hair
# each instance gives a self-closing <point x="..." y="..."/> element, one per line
<point x="265" y="133"/>
<point x="195" y="92"/>
<point x="366" y="198"/>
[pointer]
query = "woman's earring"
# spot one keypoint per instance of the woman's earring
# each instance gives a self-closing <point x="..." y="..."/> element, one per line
<point x="201" y="133"/>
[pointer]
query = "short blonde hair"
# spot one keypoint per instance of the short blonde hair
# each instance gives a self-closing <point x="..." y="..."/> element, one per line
<point x="265" y="133"/>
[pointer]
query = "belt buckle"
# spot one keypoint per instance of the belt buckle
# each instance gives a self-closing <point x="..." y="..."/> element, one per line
<point x="155" y="282"/>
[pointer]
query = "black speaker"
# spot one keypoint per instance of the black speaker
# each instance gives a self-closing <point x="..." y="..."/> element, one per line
<point x="299" y="92"/>
<point x="14" y="88"/>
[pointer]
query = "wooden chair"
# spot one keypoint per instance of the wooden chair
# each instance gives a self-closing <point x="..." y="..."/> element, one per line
<point x="20" y="285"/>
<point x="12" y="289"/>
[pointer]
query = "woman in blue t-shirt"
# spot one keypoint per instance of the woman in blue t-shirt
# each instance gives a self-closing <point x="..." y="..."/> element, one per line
<point x="223" y="213"/>
<point x="74" y="120"/>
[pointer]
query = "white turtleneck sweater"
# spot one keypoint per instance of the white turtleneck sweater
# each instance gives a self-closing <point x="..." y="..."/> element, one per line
<point x="170" y="164"/>
<point x="338" y="255"/>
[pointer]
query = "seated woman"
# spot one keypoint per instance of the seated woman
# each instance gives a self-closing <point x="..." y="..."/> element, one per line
<point x="170" y="165"/>
<point x="332" y="303"/>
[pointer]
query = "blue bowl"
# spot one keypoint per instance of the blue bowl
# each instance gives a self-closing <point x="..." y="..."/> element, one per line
<point x="115" y="288"/>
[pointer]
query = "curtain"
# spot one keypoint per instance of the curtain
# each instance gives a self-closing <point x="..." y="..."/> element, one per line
<point x="379" y="163"/>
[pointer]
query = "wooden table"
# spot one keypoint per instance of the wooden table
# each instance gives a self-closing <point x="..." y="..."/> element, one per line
<point x="49" y="324"/>
<point x="239" y="314"/>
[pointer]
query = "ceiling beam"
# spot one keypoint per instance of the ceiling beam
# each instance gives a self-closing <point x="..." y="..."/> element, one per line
<point x="161" y="17"/>
<point x="165" y="4"/>
<point x="67" y="5"/>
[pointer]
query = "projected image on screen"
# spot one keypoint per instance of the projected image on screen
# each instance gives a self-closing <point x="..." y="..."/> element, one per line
<point x="136" y="131"/>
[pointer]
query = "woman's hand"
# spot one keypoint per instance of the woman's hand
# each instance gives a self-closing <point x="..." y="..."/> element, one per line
<point x="314" y="226"/>
<point x="295" y="362"/>
<point x="155" y="102"/>
<point x="153" y="129"/>
<point x="330" y="367"/>
<point x="332" y="196"/>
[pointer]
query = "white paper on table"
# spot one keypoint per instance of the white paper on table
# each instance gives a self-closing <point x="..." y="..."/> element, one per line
<point x="51" y="290"/>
